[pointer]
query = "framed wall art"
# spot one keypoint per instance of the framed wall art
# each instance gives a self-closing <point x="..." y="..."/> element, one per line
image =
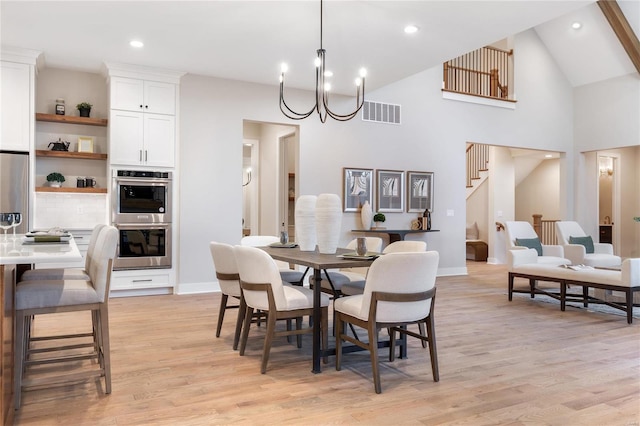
<point x="419" y="191"/>
<point x="85" y="144"/>
<point x="390" y="191"/>
<point x="357" y="188"/>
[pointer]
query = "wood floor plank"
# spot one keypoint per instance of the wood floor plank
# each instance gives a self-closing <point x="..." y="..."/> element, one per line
<point x="520" y="362"/>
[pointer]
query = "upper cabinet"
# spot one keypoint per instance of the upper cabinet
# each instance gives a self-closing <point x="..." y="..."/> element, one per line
<point x="143" y="116"/>
<point x="17" y="74"/>
<point x="143" y="96"/>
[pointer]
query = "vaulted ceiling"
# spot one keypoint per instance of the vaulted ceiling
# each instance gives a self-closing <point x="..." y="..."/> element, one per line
<point x="247" y="40"/>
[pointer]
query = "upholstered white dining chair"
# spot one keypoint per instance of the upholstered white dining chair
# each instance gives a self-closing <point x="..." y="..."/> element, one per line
<point x="263" y="289"/>
<point x="224" y="262"/>
<point x="400" y="290"/>
<point x="580" y="248"/>
<point x="286" y="273"/>
<point x="67" y="273"/>
<point x="521" y="235"/>
<point x="38" y="297"/>
<point x="356" y="286"/>
<point x="333" y="280"/>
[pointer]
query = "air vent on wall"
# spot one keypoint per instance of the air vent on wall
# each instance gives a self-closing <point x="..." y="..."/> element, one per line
<point x="380" y="112"/>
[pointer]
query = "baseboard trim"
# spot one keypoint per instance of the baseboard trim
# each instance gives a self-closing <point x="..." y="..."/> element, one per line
<point x="447" y="272"/>
<point x="198" y="288"/>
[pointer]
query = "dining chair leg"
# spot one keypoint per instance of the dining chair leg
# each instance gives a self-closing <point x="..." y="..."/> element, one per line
<point x="299" y="336"/>
<point x="433" y="353"/>
<point x="373" y="351"/>
<point x="324" y="329"/>
<point x="268" y="340"/>
<point x="242" y="309"/>
<point x="422" y="332"/>
<point x="245" y="330"/>
<point x="223" y="307"/>
<point x="339" y="331"/>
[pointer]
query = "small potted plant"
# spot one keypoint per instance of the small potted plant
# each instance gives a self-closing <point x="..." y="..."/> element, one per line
<point x="379" y="218"/>
<point x="84" y="108"/>
<point x="55" y="179"/>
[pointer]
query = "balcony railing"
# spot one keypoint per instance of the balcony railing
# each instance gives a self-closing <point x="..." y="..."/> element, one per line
<point x="484" y="72"/>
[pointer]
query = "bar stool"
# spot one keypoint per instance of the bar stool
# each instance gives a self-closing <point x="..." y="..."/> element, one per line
<point x="39" y="297"/>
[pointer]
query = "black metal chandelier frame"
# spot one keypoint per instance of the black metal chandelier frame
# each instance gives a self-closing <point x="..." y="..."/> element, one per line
<point x="322" y="93"/>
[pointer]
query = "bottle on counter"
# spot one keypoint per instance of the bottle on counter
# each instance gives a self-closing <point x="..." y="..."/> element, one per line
<point x="426" y="220"/>
<point x="284" y="235"/>
<point x="60" y="108"/>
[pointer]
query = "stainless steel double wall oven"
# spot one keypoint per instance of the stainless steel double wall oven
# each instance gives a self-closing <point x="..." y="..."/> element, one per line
<point x="141" y="211"/>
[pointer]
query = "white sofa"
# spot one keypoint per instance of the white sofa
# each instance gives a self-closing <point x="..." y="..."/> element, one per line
<point x="523" y="264"/>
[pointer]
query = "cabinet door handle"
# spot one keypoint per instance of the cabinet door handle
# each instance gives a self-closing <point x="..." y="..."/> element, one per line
<point x="146" y="106"/>
<point x="140" y="105"/>
<point x="141" y="281"/>
<point x="140" y="155"/>
<point x="145" y="155"/>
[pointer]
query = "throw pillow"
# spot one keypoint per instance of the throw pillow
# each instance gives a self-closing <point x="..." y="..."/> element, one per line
<point x="587" y="242"/>
<point x="472" y="231"/>
<point x="533" y="243"/>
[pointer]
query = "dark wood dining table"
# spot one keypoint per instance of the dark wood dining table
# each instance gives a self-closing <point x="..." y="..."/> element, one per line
<point x="318" y="261"/>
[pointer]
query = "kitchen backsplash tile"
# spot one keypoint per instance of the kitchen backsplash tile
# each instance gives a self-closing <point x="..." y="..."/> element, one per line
<point x="69" y="211"/>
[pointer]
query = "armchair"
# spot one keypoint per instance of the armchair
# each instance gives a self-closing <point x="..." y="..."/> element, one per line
<point x="589" y="253"/>
<point x="520" y="233"/>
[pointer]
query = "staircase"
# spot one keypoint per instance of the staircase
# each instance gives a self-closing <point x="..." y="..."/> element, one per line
<point x="477" y="166"/>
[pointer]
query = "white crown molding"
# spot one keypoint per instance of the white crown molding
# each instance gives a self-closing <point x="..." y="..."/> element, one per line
<point x="23" y="56"/>
<point x="112" y="69"/>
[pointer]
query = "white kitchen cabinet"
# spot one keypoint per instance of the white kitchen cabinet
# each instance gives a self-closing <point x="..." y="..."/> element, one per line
<point x="154" y="97"/>
<point x="17" y="101"/>
<point x="142" y="139"/>
<point x="140" y="279"/>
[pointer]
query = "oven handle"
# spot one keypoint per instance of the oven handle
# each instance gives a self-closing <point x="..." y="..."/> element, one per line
<point x="130" y="226"/>
<point x="121" y="181"/>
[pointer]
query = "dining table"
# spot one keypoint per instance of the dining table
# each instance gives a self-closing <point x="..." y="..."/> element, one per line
<point x="16" y="255"/>
<point x="319" y="262"/>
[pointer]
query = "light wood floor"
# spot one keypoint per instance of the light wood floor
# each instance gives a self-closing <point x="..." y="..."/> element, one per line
<point x="520" y="362"/>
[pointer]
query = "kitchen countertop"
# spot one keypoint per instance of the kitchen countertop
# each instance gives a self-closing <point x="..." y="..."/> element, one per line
<point x="13" y="252"/>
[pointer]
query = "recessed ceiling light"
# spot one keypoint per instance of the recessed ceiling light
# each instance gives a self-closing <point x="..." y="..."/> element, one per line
<point x="548" y="156"/>
<point x="136" y="43"/>
<point x="328" y="73"/>
<point x="410" y="29"/>
<point x="576" y="25"/>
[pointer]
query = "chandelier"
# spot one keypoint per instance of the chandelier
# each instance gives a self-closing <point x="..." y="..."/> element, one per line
<point x="322" y="90"/>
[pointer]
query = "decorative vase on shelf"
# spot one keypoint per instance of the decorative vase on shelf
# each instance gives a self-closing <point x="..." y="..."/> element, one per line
<point x="305" y="218"/>
<point x="328" y="222"/>
<point x="365" y="215"/>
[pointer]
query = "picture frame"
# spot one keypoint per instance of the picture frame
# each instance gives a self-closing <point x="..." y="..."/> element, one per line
<point x="85" y="144"/>
<point x="357" y="187"/>
<point x="419" y="191"/>
<point x="390" y="191"/>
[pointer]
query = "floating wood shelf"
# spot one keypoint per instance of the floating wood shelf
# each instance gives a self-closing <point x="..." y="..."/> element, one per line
<point x="71" y="119"/>
<point x="71" y="189"/>
<point x="69" y="154"/>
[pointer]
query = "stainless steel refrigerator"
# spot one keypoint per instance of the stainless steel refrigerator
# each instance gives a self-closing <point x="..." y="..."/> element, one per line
<point x="14" y="186"/>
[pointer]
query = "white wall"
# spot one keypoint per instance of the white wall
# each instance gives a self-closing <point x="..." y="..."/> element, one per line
<point x="539" y="193"/>
<point x="501" y="200"/>
<point x="432" y="137"/>
<point x="607" y="114"/>
<point x="477" y="210"/>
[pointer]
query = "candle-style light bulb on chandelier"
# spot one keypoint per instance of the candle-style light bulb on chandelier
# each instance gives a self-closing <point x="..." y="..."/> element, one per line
<point x="322" y="90"/>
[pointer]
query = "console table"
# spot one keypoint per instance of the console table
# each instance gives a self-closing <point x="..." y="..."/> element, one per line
<point x="395" y="234"/>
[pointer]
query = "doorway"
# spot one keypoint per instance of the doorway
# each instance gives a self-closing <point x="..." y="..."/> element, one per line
<point x="270" y="153"/>
<point x="608" y="199"/>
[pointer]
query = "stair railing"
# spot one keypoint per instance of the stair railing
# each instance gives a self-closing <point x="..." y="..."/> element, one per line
<point x="477" y="160"/>
<point x="484" y="72"/>
<point x="546" y="229"/>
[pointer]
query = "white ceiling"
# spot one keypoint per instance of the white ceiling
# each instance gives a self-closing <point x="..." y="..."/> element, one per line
<point x="247" y="40"/>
